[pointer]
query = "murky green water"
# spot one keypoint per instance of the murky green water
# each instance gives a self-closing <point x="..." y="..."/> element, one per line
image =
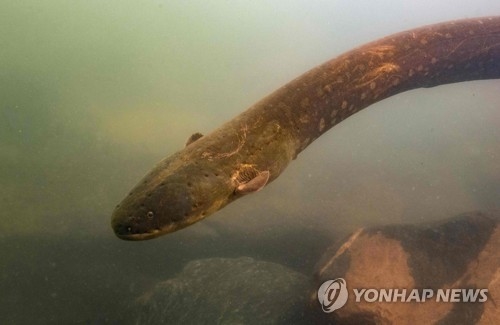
<point x="94" y="93"/>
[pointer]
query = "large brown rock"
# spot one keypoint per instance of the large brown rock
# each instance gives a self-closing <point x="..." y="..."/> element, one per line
<point x="459" y="253"/>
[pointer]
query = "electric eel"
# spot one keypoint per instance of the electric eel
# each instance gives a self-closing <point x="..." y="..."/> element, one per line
<point x="254" y="148"/>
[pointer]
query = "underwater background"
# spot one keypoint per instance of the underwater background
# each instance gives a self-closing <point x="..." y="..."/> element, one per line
<point x="94" y="93"/>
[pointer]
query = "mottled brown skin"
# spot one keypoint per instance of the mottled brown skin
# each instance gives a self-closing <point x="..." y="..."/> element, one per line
<point x="206" y="175"/>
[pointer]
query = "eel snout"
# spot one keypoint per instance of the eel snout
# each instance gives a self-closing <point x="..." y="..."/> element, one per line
<point x="160" y="206"/>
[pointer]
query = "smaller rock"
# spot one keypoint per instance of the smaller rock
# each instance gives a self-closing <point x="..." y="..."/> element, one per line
<point x="227" y="291"/>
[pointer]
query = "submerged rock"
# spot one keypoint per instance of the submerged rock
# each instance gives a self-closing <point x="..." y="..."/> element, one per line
<point x="460" y="253"/>
<point x="227" y="291"/>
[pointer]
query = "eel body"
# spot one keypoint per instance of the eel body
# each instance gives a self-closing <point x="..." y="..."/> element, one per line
<point x="254" y="148"/>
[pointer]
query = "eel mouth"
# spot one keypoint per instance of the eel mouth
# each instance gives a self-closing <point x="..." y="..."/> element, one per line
<point x="131" y="231"/>
<point x="127" y="232"/>
<point x="136" y="237"/>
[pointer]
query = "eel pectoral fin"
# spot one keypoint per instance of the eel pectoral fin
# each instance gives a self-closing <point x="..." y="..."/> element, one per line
<point x="255" y="184"/>
<point x="193" y="138"/>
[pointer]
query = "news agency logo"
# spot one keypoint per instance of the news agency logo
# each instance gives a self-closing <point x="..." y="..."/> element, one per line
<point x="333" y="294"/>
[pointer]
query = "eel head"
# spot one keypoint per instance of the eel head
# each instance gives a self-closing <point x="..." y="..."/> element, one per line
<point x="169" y="199"/>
